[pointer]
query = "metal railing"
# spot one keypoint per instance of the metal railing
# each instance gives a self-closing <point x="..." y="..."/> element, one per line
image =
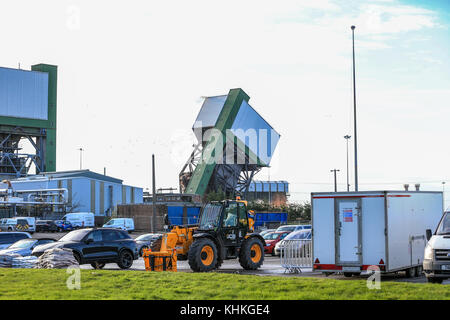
<point x="296" y="254"/>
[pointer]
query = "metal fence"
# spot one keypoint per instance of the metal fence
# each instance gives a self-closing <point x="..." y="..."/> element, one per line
<point x="296" y="254"/>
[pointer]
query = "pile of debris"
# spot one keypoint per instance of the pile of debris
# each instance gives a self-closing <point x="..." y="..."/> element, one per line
<point x="58" y="258"/>
<point x="25" y="262"/>
<point x="6" y="260"/>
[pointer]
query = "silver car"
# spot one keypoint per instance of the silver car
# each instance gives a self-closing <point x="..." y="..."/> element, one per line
<point x="145" y="241"/>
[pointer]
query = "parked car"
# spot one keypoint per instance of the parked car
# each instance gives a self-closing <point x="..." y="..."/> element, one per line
<point x="97" y="247"/>
<point x="293" y="227"/>
<point x="126" y="224"/>
<point x="271" y="240"/>
<point x="25" y="224"/>
<point x="263" y="232"/>
<point x="25" y="246"/>
<point x="145" y="241"/>
<point x="80" y="219"/>
<point x="296" y="235"/>
<point x="63" y="225"/>
<point x="8" y="238"/>
<point x="436" y="262"/>
<point x="46" y="226"/>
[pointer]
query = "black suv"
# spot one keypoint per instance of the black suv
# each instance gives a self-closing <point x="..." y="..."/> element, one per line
<point x="46" y="226"/>
<point x="97" y="247"/>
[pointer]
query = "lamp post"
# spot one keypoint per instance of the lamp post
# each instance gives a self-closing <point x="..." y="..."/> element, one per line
<point x="335" y="179"/>
<point x="354" y="111"/>
<point x="81" y="157"/>
<point x="347" y="137"/>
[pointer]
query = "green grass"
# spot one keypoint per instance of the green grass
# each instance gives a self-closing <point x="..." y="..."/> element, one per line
<point x="103" y="284"/>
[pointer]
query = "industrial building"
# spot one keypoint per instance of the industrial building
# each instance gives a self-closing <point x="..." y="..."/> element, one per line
<point x="27" y="115"/>
<point x="87" y="191"/>
<point x="273" y="192"/>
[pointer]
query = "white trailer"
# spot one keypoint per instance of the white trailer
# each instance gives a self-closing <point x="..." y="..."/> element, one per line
<point x="387" y="229"/>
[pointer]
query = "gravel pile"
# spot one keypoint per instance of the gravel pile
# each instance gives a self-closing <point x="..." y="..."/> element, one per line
<point x="58" y="258"/>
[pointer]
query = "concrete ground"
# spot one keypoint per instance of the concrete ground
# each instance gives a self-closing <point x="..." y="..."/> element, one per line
<point x="271" y="267"/>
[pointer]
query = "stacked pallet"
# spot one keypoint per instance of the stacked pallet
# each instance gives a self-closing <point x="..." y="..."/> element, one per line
<point x="58" y="258"/>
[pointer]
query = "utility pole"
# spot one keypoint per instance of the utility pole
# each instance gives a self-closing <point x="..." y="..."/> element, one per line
<point x="347" y="137"/>
<point x="81" y="157"/>
<point x="335" y="178"/>
<point x="154" y="194"/>
<point x="354" y="111"/>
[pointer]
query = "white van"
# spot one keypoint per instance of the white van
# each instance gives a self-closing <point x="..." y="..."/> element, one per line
<point x="436" y="262"/>
<point x="126" y="224"/>
<point x="27" y="224"/>
<point x="80" y="219"/>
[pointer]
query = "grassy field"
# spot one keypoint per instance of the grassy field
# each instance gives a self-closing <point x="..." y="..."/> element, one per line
<point x="99" y="284"/>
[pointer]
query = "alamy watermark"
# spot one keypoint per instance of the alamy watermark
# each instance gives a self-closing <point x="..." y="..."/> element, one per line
<point x="374" y="280"/>
<point x="73" y="282"/>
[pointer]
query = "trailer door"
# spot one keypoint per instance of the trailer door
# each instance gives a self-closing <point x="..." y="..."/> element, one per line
<point x="348" y="231"/>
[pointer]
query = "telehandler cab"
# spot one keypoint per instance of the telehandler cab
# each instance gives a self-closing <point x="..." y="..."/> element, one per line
<point x="224" y="231"/>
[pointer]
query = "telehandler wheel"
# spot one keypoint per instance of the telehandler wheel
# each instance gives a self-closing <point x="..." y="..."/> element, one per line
<point x="251" y="255"/>
<point x="202" y="255"/>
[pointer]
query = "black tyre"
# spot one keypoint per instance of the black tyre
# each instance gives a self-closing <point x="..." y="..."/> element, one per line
<point x="202" y="255"/>
<point x="125" y="259"/>
<point x="411" y="272"/>
<point x="156" y="245"/>
<point x="419" y="271"/>
<point x="348" y="274"/>
<point x="59" y="230"/>
<point x="251" y="255"/>
<point x="97" y="265"/>
<point x="434" y="280"/>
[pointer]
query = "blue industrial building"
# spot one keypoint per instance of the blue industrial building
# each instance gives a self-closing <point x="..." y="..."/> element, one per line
<point x="87" y="191"/>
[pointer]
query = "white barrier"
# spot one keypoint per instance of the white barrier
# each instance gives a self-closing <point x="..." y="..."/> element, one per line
<point x="296" y="254"/>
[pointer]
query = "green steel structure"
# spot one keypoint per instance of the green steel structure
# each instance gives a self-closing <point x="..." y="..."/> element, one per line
<point x="15" y="127"/>
<point x="237" y="121"/>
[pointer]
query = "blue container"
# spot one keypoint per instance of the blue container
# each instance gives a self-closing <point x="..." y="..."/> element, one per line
<point x="175" y="215"/>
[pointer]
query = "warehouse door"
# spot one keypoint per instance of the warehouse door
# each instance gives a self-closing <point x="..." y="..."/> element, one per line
<point x="348" y="231"/>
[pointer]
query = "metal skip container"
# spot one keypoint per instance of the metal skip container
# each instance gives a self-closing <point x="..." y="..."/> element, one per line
<point x="354" y="232"/>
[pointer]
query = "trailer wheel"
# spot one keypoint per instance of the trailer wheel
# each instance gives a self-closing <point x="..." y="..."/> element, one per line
<point x="251" y="255"/>
<point x="202" y="255"/>
<point x="434" y="280"/>
<point x="348" y="274"/>
<point x="419" y="271"/>
<point x="411" y="272"/>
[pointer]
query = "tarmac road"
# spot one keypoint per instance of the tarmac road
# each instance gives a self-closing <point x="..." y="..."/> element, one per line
<point x="271" y="267"/>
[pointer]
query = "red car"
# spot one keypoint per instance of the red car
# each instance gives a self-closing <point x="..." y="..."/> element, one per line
<point x="272" y="239"/>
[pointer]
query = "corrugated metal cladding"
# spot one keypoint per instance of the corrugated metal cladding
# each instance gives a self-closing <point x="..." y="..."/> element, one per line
<point x="23" y="94"/>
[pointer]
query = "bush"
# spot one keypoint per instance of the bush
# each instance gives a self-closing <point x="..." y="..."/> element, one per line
<point x="298" y="212"/>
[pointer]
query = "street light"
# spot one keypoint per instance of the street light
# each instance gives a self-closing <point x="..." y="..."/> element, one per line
<point x="354" y="111"/>
<point x="335" y="179"/>
<point x="81" y="159"/>
<point x="347" y="137"/>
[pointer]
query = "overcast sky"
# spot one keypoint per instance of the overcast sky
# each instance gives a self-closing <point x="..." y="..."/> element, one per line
<point x="132" y="74"/>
